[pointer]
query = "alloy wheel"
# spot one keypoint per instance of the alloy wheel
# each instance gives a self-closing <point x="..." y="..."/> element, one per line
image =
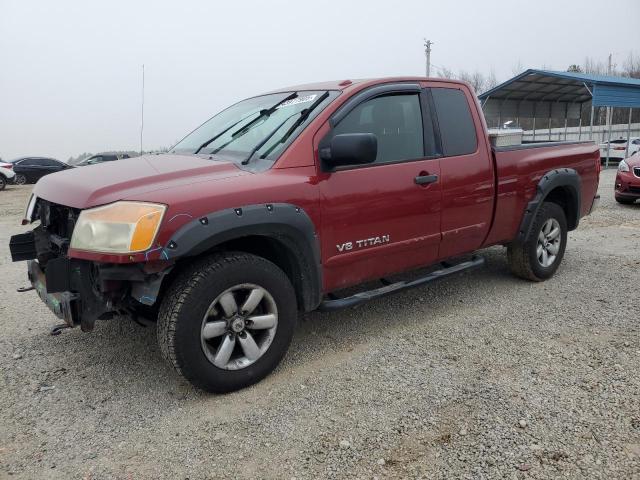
<point x="549" y="240"/>
<point x="239" y="326"/>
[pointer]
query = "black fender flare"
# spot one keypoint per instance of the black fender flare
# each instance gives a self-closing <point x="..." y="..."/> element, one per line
<point x="288" y="224"/>
<point x="567" y="178"/>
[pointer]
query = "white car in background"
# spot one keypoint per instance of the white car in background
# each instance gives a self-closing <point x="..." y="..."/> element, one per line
<point x="618" y="148"/>
<point x="7" y="175"/>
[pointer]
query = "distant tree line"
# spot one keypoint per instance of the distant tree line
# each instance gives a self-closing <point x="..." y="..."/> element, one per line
<point x="479" y="81"/>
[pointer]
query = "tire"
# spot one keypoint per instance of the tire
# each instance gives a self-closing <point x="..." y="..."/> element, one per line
<point x="194" y="302"/>
<point x="3" y="182"/>
<point x="20" y="179"/>
<point x="625" y="201"/>
<point x="524" y="259"/>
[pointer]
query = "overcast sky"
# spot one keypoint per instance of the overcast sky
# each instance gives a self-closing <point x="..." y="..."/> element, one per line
<point x="70" y="72"/>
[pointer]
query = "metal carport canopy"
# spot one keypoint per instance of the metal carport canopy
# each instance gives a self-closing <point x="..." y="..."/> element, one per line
<point x="567" y="87"/>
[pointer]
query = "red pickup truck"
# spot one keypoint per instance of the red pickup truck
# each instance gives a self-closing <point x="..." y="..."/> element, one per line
<point x="276" y="204"/>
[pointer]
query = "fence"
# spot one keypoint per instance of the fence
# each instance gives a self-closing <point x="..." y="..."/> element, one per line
<point x="600" y="133"/>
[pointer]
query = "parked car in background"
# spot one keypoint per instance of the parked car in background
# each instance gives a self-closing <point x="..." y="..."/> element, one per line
<point x="7" y="175"/>
<point x="627" y="188"/>
<point x="32" y="169"/>
<point x="102" y="157"/>
<point x="618" y="149"/>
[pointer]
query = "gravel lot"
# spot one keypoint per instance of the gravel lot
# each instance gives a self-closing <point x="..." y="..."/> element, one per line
<point x="479" y="376"/>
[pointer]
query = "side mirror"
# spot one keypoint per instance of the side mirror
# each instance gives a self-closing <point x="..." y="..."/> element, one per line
<point x="350" y="149"/>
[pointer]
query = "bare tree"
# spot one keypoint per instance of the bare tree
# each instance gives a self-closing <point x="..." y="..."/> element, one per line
<point x="594" y="66"/>
<point x="631" y="66"/>
<point x="517" y="69"/>
<point x="445" y="73"/>
<point x="492" y="81"/>
<point x="479" y="81"/>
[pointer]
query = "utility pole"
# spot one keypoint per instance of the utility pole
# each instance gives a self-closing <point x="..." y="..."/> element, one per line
<point x="427" y="52"/>
<point x="142" y="111"/>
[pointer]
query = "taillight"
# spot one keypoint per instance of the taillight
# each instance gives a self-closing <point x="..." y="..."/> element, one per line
<point x="619" y="148"/>
<point x="598" y="168"/>
<point x="10" y="166"/>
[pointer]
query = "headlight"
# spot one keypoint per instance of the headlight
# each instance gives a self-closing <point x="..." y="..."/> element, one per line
<point x="623" y="167"/>
<point x="121" y="227"/>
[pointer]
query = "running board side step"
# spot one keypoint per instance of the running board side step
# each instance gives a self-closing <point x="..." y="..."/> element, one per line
<point x="361" y="297"/>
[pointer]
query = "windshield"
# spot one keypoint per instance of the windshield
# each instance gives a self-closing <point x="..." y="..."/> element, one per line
<point x="236" y="132"/>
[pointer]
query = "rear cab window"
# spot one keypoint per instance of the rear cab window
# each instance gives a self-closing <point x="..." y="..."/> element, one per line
<point x="454" y="121"/>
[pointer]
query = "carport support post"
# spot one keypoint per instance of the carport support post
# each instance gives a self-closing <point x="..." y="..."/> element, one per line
<point x="626" y="150"/>
<point x="534" y="123"/>
<point x="534" y="128"/>
<point x="549" y="123"/>
<point x="609" y="115"/>
<point x="566" y="107"/>
<point x="580" y="124"/>
<point x="591" y="123"/>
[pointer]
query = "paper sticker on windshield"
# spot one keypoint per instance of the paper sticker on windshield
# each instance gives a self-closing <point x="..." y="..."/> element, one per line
<point x="295" y="101"/>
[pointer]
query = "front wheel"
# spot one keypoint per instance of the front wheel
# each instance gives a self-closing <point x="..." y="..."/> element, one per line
<point x="20" y="179"/>
<point x="226" y="322"/>
<point x="3" y="182"/>
<point x="540" y="255"/>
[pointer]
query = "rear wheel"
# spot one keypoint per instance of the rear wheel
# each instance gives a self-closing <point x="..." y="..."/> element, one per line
<point x="20" y="179"/>
<point x="540" y="255"/>
<point x="226" y="322"/>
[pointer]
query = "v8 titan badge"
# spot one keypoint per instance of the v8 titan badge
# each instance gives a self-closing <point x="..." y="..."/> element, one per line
<point x="366" y="242"/>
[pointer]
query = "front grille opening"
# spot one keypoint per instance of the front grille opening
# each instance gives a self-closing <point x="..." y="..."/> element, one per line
<point x="57" y="219"/>
<point x="53" y="235"/>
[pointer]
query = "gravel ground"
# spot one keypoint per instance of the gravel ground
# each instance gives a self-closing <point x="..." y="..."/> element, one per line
<point x="479" y="376"/>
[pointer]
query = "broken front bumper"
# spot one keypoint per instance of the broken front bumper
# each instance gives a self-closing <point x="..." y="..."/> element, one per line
<point x="63" y="304"/>
<point x="66" y="288"/>
<point x="80" y="291"/>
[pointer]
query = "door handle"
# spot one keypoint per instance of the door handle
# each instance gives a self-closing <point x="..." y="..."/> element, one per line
<point x="426" y="179"/>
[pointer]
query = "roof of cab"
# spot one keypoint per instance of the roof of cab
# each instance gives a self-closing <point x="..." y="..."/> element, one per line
<point x="349" y="83"/>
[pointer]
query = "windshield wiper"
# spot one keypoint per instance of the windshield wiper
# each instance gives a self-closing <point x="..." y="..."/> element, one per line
<point x="265" y="113"/>
<point x="304" y="114"/>
<point x="218" y="135"/>
<point x="266" y="139"/>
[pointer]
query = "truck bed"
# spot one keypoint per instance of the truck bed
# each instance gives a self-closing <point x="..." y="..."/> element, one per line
<point x="519" y="168"/>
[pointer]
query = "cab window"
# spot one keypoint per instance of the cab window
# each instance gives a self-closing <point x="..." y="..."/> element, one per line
<point x="396" y="120"/>
<point x="457" y="129"/>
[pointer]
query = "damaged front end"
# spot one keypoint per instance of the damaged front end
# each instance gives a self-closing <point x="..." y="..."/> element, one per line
<point x="79" y="292"/>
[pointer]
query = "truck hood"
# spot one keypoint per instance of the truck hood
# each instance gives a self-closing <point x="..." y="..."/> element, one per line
<point x="129" y="179"/>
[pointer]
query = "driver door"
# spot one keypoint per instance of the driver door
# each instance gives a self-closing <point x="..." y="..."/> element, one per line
<point x="381" y="218"/>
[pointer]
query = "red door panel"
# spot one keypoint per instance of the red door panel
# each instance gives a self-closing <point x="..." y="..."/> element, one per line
<point x="468" y="184"/>
<point x="377" y="220"/>
<point x="467" y="203"/>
